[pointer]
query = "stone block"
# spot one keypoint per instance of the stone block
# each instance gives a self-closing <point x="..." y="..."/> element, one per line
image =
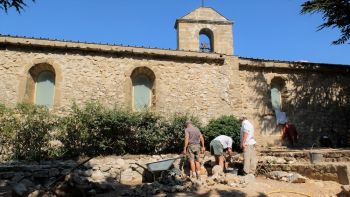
<point x="27" y="183"/>
<point x="297" y="178"/>
<point x="97" y="175"/>
<point x="344" y="174"/>
<point x="41" y="174"/>
<point x="105" y="168"/>
<point x="54" y="172"/>
<point x="7" y="175"/>
<point x="19" y="189"/>
<point x="130" y="177"/>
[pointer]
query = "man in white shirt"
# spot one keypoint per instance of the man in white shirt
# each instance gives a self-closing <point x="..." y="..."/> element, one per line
<point x="217" y="147"/>
<point x="247" y="144"/>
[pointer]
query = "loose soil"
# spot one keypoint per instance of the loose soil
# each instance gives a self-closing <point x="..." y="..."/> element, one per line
<point x="261" y="187"/>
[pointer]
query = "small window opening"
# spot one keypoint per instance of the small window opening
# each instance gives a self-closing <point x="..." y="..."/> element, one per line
<point x="206" y="41"/>
<point x="142" y="92"/>
<point x="45" y="89"/>
<point x="277" y="84"/>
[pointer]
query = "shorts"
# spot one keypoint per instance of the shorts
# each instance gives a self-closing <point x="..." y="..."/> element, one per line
<point x="194" y="150"/>
<point x="216" y="148"/>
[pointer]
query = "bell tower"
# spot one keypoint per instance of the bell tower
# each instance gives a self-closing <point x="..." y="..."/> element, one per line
<point x="205" y="21"/>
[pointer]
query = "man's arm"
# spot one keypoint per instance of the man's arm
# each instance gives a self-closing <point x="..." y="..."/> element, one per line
<point x="229" y="149"/>
<point x="202" y="142"/>
<point x="245" y="136"/>
<point x="186" y="143"/>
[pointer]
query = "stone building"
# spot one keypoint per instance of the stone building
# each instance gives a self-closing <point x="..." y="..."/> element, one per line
<point x="205" y="79"/>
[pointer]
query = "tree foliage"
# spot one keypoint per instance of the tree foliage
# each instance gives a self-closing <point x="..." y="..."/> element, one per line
<point x="17" y="4"/>
<point x="336" y="14"/>
<point x="224" y="125"/>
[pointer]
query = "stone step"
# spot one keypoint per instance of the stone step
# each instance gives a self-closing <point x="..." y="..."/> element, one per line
<point x="338" y="172"/>
<point x="333" y="155"/>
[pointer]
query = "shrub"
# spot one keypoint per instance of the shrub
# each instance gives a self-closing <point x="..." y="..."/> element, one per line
<point x="224" y="125"/>
<point x="92" y="130"/>
<point x="32" y="126"/>
<point x="148" y="134"/>
<point x="7" y="123"/>
<point x="175" y="132"/>
<point x="96" y="130"/>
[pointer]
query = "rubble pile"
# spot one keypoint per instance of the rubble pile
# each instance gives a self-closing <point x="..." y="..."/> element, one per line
<point x="105" y="174"/>
<point x="174" y="181"/>
<point x="108" y="174"/>
<point x="277" y="160"/>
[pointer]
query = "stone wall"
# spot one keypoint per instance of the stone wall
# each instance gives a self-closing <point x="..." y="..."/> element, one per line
<point x="338" y="172"/>
<point x="315" y="99"/>
<point x="330" y="165"/>
<point x="207" y="85"/>
<point x="304" y="156"/>
<point x="184" y="82"/>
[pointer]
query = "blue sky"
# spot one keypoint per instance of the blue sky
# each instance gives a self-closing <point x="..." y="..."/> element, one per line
<point x="272" y="29"/>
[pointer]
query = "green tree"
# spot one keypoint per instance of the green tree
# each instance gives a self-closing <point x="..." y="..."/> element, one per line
<point x="336" y="14"/>
<point x="224" y="125"/>
<point x="17" y="4"/>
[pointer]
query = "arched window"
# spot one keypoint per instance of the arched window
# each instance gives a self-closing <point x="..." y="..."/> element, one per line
<point x="142" y="92"/>
<point x="206" y="40"/>
<point x="45" y="89"/>
<point x="143" y="89"/>
<point x="41" y="85"/>
<point x="276" y="99"/>
<point x="277" y="84"/>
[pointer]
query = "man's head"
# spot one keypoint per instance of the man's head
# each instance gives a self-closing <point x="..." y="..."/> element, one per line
<point x="188" y="123"/>
<point x="242" y="118"/>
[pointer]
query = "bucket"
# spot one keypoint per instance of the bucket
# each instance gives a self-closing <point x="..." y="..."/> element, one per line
<point x="232" y="171"/>
<point x="316" y="157"/>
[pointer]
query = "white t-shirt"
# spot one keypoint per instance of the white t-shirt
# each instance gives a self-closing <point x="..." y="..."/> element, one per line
<point x="225" y="141"/>
<point x="248" y="128"/>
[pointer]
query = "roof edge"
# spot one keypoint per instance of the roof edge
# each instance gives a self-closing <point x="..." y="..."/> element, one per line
<point x="181" y="18"/>
<point x="290" y="63"/>
<point x="90" y="46"/>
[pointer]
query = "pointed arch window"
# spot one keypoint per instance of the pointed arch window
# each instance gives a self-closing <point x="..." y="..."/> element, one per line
<point x="45" y="89"/>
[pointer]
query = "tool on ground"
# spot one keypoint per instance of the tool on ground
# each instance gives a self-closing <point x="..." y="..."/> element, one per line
<point x="291" y="192"/>
<point x="49" y="185"/>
